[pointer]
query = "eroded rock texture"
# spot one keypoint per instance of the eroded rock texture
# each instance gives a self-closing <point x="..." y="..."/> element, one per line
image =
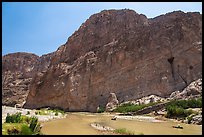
<point x="112" y="102"/>
<point x="123" y="52"/>
<point x="18" y="70"/>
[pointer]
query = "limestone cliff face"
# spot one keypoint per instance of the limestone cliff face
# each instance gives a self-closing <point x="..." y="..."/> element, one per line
<point x="18" y="70"/>
<point x="123" y="52"/>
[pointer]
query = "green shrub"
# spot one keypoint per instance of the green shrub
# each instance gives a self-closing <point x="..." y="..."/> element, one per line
<point x="33" y="123"/>
<point x="128" y="107"/>
<point x="123" y="131"/>
<point x="191" y="103"/>
<point x="56" y="113"/>
<point x="28" y="113"/>
<point x="177" y="108"/>
<point x="14" y="118"/>
<point x="101" y="109"/>
<point x="25" y="119"/>
<point x="8" y="118"/>
<point x="174" y="111"/>
<point x="18" y="124"/>
<point x="25" y="130"/>
<point x="44" y="111"/>
<point x="37" y="130"/>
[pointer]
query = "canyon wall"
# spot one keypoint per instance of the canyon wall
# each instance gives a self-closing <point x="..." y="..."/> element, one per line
<point x="121" y="52"/>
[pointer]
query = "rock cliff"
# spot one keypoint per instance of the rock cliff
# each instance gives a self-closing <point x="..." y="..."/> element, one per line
<point x="18" y="70"/>
<point x="123" y="52"/>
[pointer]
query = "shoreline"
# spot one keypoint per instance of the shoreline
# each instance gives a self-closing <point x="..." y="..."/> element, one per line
<point x="46" y="118"/>
<point x="23" y="111"/>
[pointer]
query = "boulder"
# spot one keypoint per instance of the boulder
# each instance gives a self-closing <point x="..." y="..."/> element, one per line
<point x="197" y="120"/>
<point x="194" y="89"/>
<point x="112" y="102"/>
<point x="174" y="94"/>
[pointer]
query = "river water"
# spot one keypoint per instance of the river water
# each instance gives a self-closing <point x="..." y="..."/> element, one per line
<point x="79" y="124"/>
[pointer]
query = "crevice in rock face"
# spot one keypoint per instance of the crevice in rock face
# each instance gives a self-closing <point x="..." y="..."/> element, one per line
<point x="170" y="60"/>
<point x="182" y="77"/>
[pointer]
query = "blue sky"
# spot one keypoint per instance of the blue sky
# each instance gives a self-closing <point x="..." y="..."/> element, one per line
<point x="41" y="27"/>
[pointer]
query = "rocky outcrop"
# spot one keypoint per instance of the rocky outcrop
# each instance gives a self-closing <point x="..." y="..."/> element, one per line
<point x="192" y="90"/>
<point x="149" y="109"/>
<point x="197" y="120"/>
<point x="18" y="69"/>
<point x="112" y="102"/>
<point x="145" y="100"/>
<point x="123" y="52"/>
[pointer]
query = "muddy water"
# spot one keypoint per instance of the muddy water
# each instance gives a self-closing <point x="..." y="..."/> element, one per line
<point x="79" y="124"/>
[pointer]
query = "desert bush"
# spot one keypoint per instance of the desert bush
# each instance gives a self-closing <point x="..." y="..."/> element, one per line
<point x="123" y="131"/>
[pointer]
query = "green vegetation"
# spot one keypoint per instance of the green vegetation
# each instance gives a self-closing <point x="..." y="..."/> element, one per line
<point x="131" y="107"/>
<point x="123" y="131"/>
<point x="7" y="128"/>
<point x="57" y="111"/>
<point x="15" y="118"/>
<point x="17" y="124"/>
<point x="101" y="110"/>
<point x="191" y="103"/>
<point x="175" y="111"/>
<point x="33" y="123"/>
<point x="25" y="130"/>
<point x="177" y="108"/>
<point x="44" y="111"/>
<point x="28" y="113"/>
